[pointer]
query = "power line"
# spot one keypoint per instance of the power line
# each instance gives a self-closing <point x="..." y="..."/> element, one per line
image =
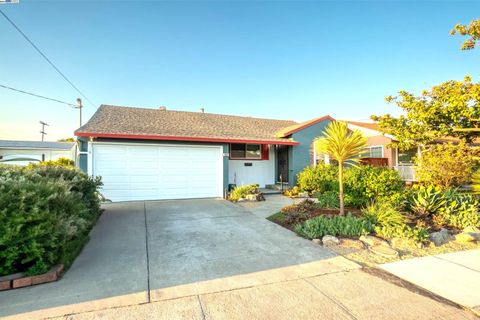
<point x="38" y="96"/>
<point x="47" y="59"/>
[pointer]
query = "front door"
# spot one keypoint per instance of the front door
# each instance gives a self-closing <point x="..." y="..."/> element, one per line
<point x="282" y="163"/>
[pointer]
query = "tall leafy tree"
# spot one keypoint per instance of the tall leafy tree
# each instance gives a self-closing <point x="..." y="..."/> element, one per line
<point x="471" y="30"/>
<point x="444" y="110"/>
<point x="342" y="145"/>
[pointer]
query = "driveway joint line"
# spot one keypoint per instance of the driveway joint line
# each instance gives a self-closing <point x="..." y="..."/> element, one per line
<point x="335" y="301"/>
<point x="456" y="263"/>
<point x="201" y="307"/>
<point x="146" y="250"/>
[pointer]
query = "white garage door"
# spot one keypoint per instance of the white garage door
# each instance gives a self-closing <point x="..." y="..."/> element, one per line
<point x="150" y="172"/>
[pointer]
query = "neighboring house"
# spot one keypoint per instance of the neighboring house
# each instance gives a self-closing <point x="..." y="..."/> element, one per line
<point x="378" y="152"/>
<point x="161" y="154"/>
<point x="18" y="152"/>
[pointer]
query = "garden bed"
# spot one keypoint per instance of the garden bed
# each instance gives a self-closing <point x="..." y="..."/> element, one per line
<point x="20" y="280"/>
<point x="318" y="224"/>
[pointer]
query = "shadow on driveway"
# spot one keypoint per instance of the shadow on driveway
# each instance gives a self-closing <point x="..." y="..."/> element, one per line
<point x="138" y="249"/>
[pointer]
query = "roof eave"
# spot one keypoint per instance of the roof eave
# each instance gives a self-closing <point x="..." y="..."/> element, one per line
<point x="182" y="138"/>
<point x="305" y="125"/>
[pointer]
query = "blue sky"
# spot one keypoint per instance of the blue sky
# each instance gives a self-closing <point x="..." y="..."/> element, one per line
<point x="286" y="60"/>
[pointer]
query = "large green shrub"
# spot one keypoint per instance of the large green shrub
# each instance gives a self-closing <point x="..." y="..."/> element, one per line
<point x="319" y="178"/>
<point x="365" y="184"/>
<point x="348" y="226"/>
<point x="45" y="216"/>
<point x="446" y="165"/>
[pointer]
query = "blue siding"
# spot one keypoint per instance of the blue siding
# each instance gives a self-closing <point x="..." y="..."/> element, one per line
<point x="300" y="156"/>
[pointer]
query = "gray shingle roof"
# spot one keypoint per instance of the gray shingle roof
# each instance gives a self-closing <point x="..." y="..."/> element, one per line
<point x="155" y="122"/>
<point x="20" y="144"/>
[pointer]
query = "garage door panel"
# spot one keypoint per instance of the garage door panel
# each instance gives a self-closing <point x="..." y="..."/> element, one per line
<point x="148" y="172"/>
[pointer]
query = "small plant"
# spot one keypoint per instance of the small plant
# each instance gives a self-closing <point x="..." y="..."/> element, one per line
<point x="295" y="217"/>
<point x="427" y="201"/>
<point x="390" y="223"/>
<point x="242" y="192"/>
<point x="306" y="205"/>
<point x="292" y="192"/>
<point x="328" y="199"/>
<point x="348" y="226"/>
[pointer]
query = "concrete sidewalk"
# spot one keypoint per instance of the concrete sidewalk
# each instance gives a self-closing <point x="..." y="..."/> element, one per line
<point x="343" y="295"/>
<point x="454" y="276"/>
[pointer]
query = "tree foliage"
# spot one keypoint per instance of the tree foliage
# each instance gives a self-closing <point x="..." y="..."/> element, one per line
<point x="342" y="145"/>
<point x="445" y="165"/>
<point x="471" y="30"/>
<point x="436" y="113"/>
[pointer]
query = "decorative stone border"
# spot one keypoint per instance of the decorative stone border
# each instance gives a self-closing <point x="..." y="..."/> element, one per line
<point x="19" y="280"/>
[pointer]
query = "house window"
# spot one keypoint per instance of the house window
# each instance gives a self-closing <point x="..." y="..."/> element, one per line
<point x="406" y="157"/>
<point x="373" y="152"/>
<point x="245" y="151"/>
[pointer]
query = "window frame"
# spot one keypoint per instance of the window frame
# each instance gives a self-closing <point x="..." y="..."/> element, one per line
<point x="246" y="158"/>
<point x="370" y="151"/>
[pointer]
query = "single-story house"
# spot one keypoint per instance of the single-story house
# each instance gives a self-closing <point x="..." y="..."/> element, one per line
<point x="18" y="152"/>
<point x="144" y="154"/>
<point x="379" y="153"/>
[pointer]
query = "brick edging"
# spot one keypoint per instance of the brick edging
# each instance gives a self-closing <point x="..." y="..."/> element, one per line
<point x="20" y="280"/>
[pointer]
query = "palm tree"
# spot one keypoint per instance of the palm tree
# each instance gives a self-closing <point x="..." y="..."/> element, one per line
<point x="342" y="145"/>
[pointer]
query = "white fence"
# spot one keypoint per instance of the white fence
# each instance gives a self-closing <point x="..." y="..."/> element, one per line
<point x="407" y="172"/>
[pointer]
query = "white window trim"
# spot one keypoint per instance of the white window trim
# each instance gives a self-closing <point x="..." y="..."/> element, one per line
<point x="376" y="146"/>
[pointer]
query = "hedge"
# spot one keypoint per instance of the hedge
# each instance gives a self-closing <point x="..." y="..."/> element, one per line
<point x="46" y="213"/>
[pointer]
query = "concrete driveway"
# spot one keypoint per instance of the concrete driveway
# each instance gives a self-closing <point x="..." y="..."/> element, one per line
<point x="150" y="251"/>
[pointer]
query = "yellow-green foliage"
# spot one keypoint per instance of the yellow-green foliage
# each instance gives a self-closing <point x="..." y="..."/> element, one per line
<point x="445" y="165"/>
<point x="445" y="110"/>
<point x="341" y="144"/>
<point x="292" y="192"/>
<point x="471" y="30"/>
<point x="60" y="162"/>
<point x="243" y="191"/>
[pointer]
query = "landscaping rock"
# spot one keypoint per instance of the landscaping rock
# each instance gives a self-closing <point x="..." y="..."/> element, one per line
<point x="352" y="243"/>
<point x="384" y="251"/>
<point x="474" y="231"/>
<point x="314" y="200"/>
<point x="303" y="195"/>
<point x="373" y="241"/>
<point x="255" y="197"/>
<point x="329" y="240"/>
<point x="317" y="241"/>
<point x="440" y="237"/>
<point x="465" y="237"/>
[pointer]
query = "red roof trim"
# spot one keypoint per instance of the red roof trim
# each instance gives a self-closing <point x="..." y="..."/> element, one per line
<point x="306" y="125"/>
<point x="176" y="138"/>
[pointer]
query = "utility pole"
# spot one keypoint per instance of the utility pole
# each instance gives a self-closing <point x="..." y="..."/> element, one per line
<point x="79" y="107"/>
<point x="43" y="129"/>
